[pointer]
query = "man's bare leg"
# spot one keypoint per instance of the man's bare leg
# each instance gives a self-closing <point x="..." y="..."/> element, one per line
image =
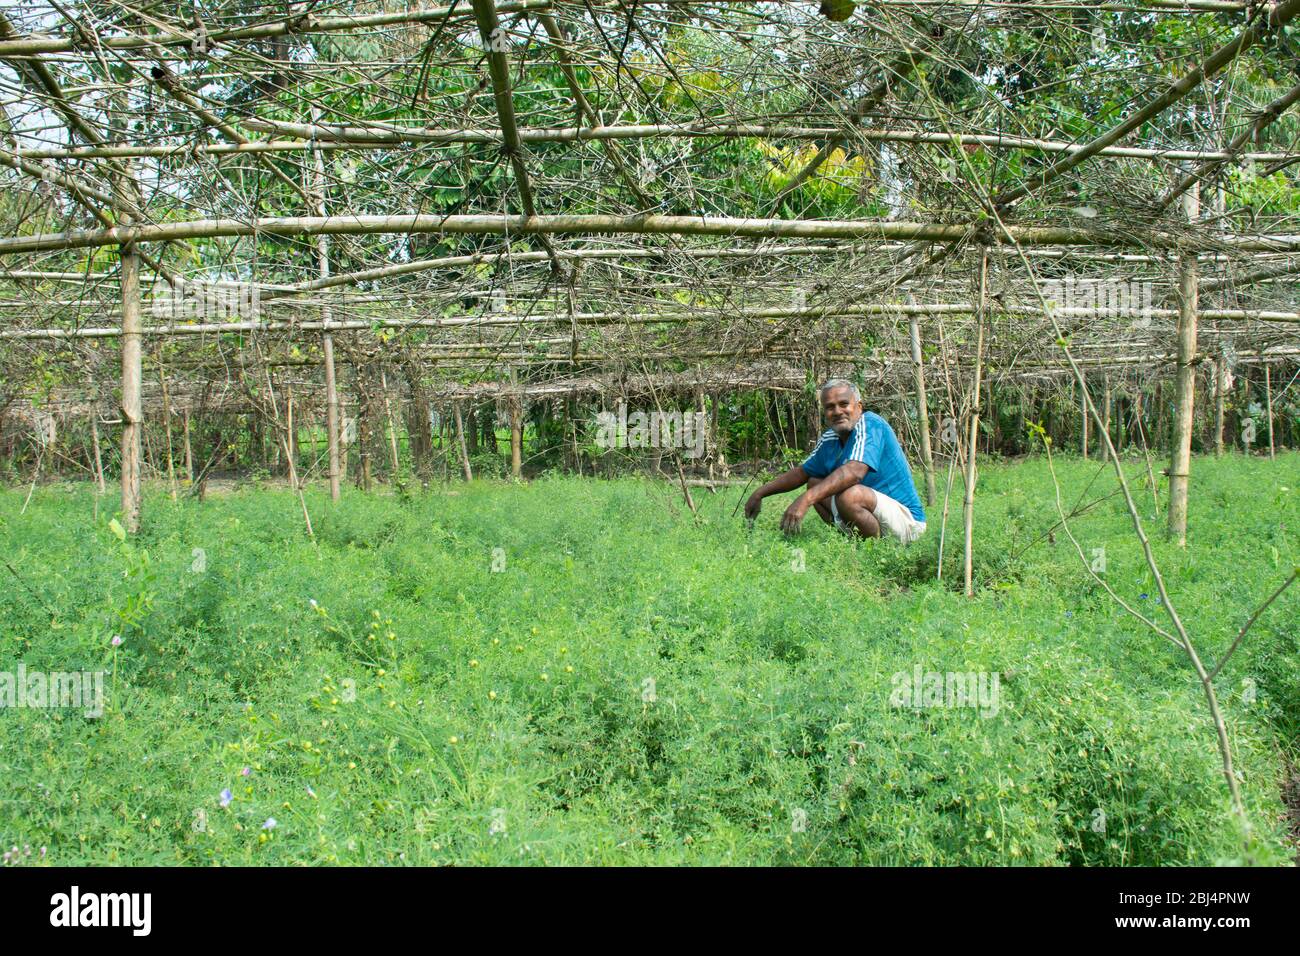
<point x="856" y="506"/>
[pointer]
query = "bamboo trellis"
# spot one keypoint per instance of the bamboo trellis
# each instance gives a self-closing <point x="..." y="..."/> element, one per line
<point x="188" y="156"/>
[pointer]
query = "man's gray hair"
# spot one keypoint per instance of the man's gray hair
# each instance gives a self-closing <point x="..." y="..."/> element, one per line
<point x="838" y="383"/>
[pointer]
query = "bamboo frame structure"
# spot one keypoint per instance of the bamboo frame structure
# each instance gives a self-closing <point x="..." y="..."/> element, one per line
<point x="226" y="147"/>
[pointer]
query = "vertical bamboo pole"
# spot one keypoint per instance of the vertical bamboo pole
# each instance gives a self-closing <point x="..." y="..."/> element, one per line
<point x="392" y="428"/>
<point x="189" y="449"/>
<point x="516" y="429"/>
<point x="290" y="448"/>
<point x="1105" y="417"/>
<point x="1181" y="458"/>
<point x="968" y="506"/>
<point x="1083" y="417"/>
<point x="167" y="424"/>
<point x="720" y="437"/>
<point x="1268" y="410"/>
<point x="460" y="441"/>
<point x="291" y="444"/>
<point x="516" y="439"/>
<point x="149" y="462"/>
<point x="327" y="340"/>
<point x="289" y="427"/>
<point x="131" y="384"/>
<point x="1220" y="396"/>
<point x="99" y="458"/>
<point x="953" y="454"/>
<point x="571" y="413"/>
<point x="923" y="411"/>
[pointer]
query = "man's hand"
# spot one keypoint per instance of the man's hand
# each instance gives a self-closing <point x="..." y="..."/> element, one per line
<point x="753" y="506"/>
<point x="792" y="520"/>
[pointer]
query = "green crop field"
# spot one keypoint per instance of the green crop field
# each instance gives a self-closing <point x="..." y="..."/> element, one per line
<point x="577" y="671"/>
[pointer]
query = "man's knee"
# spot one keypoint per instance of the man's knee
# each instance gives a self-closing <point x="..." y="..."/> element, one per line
<point x="857" y="506"/>
<point x="856" y="499"/>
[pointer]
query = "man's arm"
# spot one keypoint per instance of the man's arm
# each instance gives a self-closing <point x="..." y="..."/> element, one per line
<point x="791" y="480"/>
<point x="842" y="478"/>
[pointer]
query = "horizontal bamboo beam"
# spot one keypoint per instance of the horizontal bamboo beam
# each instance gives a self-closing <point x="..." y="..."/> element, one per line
<point x="34" y="45"/>
<point x="1282" y="267"/>
<point x="514" y="225"/>
<point x="380" y="135"/>
<point x="678" y="316"/>
<point x="366" y="138"/>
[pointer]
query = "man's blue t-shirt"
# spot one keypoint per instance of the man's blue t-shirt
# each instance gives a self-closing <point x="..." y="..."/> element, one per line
<point x="873" y="443"/>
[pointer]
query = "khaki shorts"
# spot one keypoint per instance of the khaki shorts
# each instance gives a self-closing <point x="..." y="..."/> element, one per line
<point x="894" y="517"/>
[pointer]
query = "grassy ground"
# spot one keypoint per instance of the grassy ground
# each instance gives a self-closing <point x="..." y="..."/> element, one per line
<point x="575" y="671"/>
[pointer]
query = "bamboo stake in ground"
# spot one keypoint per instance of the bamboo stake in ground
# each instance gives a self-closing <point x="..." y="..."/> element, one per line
<point x="189" y="450"/>
<point x="516" y="429"/>
<point x="460" y="441"/>
<point x="1268" y="410"/>
<point x="327" y="340"/>
<point x="1220" y="398"/>
<point x="392" y="427"/>
<point x="131" y="375"/>
<point x="1105" y="417"/>
<point x="923" y="412"/>
<point x="99" y="458"/>
<point x="968" y="507"/>
<point x="167" y="426"/>
<point x="1083" y="419"/>
<point x="1181" y="460"/>
<point x="952" y="439"/>
<point x="293" y="466"/>
<point x="284" y="443"/>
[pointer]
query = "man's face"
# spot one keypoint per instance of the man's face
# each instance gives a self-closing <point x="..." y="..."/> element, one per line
<point x="841" y="409"/>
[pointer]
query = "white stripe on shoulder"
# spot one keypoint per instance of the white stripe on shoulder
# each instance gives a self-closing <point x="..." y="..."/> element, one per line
<point x="826" y="436"/>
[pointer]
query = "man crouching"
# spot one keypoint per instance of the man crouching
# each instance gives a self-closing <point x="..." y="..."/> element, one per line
<point x="857" y="477"/>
